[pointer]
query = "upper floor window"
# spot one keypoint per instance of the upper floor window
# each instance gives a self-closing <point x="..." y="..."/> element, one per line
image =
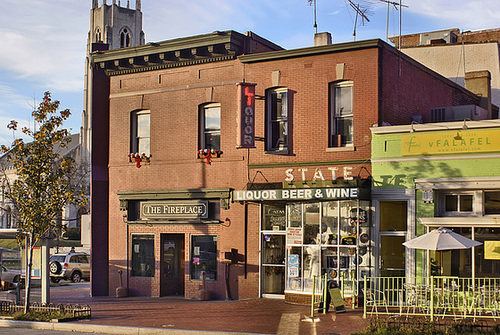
<point x="341" y="115"/>
<point x="124" y="38"/>
<point x="277" y="110"/>
<point x="210" y="127"/>
<point x="468" y="202"/>
<point x="140" y="137"/>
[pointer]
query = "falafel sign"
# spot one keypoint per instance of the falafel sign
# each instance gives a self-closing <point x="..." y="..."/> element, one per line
<point x="330" y="193"/>
<point x="174" y="210"/>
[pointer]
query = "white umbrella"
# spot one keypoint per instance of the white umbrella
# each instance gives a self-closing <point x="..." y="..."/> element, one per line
<point x="441" y="239"/>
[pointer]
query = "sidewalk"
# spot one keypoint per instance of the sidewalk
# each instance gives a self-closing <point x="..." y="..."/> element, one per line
<point x="166" y="315"/>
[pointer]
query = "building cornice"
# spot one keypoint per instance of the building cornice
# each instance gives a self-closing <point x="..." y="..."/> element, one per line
<point x="310" y="51"/>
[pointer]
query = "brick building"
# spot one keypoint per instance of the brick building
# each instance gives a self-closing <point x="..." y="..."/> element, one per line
<point x="456" y="54"/>
<point x="224" y="146"/>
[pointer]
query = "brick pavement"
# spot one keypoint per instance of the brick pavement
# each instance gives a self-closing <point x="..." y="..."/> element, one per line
<point x="263" y="316"/>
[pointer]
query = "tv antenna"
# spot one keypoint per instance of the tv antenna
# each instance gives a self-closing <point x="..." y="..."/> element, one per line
<point x="313" y="3"/>
<point x="360" y="11"/>
<point x="397" y="6"/>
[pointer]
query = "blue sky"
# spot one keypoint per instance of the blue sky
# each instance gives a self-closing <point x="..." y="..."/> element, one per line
<point x="44" y="41"/>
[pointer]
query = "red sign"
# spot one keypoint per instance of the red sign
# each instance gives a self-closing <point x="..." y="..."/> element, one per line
<point x="246" y="115"/>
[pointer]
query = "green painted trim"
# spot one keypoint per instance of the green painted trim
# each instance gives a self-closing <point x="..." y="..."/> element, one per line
<point x="310" y="51"/>
<point x="295" y="164"/>
<point x="203" y="193"/>
<point x="151" y="223"/>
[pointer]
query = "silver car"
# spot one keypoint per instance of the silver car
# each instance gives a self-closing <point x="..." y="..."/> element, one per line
<point x="10" y="275"/>
<point x="73" y="266"/>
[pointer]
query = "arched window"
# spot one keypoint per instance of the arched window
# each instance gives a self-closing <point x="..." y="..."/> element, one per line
<point x="8" y="218"/>
<point x="98" y="35"/>
<point x="124" y="38"/>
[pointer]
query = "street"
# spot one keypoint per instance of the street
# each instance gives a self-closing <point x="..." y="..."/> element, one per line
<point x="63" y="292"/>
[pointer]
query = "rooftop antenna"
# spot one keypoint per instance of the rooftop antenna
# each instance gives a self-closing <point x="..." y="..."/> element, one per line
<point x="313" y="3"/>
<point x="359" y="12"/>
<point x="396" y="6"/>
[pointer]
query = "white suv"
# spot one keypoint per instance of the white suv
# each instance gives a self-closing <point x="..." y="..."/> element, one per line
<point x="73" y="266"/>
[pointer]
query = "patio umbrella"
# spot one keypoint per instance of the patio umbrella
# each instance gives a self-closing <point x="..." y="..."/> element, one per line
<point x="441" y="239"/>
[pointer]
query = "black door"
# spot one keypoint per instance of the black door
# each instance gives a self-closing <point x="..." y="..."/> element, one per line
<point x="172" y="261"/>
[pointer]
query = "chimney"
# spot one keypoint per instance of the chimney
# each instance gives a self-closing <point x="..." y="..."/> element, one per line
<point x="479" y="83"/>
<point x="322" y="39"/>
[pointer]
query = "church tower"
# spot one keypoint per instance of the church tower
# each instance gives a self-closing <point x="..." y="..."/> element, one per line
<point x="111" y="27"/>
<point x="117" y="26"/>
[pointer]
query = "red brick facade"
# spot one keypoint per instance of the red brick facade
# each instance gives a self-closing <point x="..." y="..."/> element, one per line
<point x="387" y="87"/>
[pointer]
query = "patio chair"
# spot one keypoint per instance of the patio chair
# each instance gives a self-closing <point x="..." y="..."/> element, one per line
<point x="486" y="301"/>
<point x="375" y="298"/>
<point x="417" y="298"/>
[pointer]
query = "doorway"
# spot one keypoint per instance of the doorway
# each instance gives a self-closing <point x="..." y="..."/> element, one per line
<point x="393" y="230"/>
<point x="172" y="265"/>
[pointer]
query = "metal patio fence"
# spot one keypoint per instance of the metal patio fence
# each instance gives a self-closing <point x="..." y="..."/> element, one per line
<point x="431" y="297"/>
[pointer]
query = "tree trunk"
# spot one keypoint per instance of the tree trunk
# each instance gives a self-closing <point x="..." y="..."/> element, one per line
<point x="29" y="251"/>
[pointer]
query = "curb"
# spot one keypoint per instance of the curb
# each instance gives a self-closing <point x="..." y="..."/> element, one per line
<point x="121" y="330"/>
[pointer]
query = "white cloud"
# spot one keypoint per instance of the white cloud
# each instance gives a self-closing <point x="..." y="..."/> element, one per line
<point x="44" y="42"/>
<point x="463" y="14"/>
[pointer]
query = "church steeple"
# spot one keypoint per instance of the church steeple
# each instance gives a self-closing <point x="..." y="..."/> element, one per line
<point x="117" y="26"/>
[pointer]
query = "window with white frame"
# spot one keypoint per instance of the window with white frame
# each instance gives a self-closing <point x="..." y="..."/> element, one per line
<point x="210" y="126"/>
<point x="341" y="114"/>
<point x="140" y="137"/>
<point x="468" y="202"/>
<point x="277" y="105"/>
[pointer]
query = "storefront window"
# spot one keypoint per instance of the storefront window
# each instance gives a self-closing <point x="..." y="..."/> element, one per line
<point x="204" y="257"/>
<point x="143" y="256"/>
<point x="329" y="224"/>
<point x="334" y="240"/>
<point x="487" y="255"/>
<point x="273" y="217"/>
<point x="311" y="265"/>
<point x="492" y="202"/>
<point x="294" y="215"/>
<point x="311" y="224"/>
<point x="295" y="269"/>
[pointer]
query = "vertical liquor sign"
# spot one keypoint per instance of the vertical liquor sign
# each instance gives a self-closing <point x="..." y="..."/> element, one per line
<point x="246" y="115"/>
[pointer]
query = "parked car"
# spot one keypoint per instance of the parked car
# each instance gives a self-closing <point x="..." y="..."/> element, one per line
<point x="10" y="275"/>
<point x="73" y="266"/>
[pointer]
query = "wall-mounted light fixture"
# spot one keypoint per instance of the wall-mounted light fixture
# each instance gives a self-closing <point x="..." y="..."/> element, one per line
<point x="412" y="130"/>
<point x="464" y="127"/>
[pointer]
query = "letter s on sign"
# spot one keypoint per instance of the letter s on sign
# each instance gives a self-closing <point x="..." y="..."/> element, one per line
<point x="289" y="175"/>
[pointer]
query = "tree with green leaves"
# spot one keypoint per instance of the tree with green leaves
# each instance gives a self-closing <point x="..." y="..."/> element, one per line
<point x="45" y="180"/>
